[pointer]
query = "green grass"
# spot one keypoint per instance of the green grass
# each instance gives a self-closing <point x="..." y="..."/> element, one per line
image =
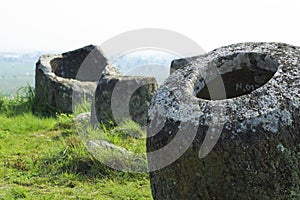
<point x="44" y="158"/>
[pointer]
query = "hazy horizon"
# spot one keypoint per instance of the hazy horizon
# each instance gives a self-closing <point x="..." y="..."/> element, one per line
<point x="17" y="72"/>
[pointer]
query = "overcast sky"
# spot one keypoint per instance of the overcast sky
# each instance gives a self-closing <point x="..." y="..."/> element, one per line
<point x="62" y="25"/>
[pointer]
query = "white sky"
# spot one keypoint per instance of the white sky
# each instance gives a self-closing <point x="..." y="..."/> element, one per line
<point x="62" y="25"/>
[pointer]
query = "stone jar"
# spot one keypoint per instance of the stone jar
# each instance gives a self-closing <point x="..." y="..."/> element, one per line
<point x="63" y="80"/>
<point x="226" y="126"/>
<point x="119" y="98"/>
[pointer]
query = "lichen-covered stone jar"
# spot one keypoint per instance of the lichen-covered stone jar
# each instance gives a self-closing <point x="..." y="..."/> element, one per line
<point x="226" y="126"/>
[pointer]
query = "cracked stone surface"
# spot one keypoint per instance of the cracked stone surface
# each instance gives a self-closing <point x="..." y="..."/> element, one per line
<point x="76" y="73"/>
<point x="250" y="93"/>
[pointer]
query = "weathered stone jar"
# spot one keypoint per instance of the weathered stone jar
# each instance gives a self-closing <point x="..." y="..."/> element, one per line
<point x="63" y="79"/>
<point x="226" y="126"/>
<point x="119" y="98"/>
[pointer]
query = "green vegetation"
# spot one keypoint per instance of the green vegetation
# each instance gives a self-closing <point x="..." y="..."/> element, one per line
<point x="44" y="158"/>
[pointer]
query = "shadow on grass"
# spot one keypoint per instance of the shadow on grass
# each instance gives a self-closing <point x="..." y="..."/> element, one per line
<point x="75" y="160"/>
<point x="85" y="169"/>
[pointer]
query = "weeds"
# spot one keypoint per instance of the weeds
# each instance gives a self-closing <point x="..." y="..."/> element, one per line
<point x="85" y="106"/>
<point x="22" y="102"/>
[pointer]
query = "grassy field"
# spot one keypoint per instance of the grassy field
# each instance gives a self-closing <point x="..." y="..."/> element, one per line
<point x="44" y="158"/>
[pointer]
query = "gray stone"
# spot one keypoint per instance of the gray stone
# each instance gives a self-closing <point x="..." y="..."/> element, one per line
<point x="82" y="117"/>
<point x="239" y="139"/>
<point x="100" y="146"/>
<point x="117" y="157"/>
<point x="179" y="63"/>
<point x="65" y="79"/>
<point x="119" y="98"/>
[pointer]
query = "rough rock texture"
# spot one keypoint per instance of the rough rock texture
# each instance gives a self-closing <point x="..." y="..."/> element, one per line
<point x="72" y="74"/>
<point x="257" y="151"/>
<point x="179" y="63"/>
<point x="123" y="97"/>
